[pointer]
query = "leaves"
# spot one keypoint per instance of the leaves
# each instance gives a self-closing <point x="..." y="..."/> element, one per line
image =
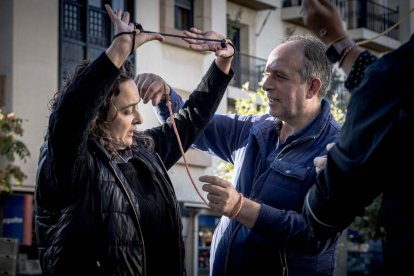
<point x="10" y="149"/>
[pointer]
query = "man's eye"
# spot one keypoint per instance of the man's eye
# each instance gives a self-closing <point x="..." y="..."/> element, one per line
<point x="280" y="76"/>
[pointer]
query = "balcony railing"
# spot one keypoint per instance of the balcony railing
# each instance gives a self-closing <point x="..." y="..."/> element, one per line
<point x="247" y="68"/>
<point x="341" y="4"/>
<point x="372" y="16"/>
<point x="362" y="14"/>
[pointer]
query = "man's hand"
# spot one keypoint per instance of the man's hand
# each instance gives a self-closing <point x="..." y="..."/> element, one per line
<point x="323" y="19"/>
<point x="151" y="87"/>
<point x="222" y="196"/>
<point x="321" y="161"/>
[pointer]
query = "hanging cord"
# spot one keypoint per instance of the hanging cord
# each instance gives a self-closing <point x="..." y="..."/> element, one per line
<point x="387" y="30"/>
<point x="223" y="43"/>
<point x="168" y="102"/>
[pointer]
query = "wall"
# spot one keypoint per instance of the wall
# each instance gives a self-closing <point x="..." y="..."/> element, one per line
<point x="34" y="71"/>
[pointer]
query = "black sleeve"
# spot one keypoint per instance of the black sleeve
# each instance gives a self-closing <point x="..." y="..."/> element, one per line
<point x="365" y="162"/>
<point x="69" y="123"/>
<point x="357" y="73"/>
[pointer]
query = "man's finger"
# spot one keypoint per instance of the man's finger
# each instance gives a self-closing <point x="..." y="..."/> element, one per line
<point x="329" y="146"/>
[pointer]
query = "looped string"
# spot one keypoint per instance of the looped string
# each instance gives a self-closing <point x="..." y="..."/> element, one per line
<point x="223" y="42"/>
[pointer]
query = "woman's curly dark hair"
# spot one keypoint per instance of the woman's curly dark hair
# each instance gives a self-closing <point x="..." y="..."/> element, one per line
<point x="100" y="124"/>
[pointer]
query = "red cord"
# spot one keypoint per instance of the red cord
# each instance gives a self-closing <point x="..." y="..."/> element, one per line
<point x="181" y="148"/>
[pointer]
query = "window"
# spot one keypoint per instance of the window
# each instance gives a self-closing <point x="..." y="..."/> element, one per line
<point x="179" y="15"/>
<point x="183" y="14"/>
<point x="84" y="31"/>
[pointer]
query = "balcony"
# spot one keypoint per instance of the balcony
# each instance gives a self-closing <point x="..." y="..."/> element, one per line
<point x="291" y="10"/>
<point x="364" y="20"/>
<point x="253" y="4"/>
<point x="367" y="19"/>
<point x="249" y="69"/>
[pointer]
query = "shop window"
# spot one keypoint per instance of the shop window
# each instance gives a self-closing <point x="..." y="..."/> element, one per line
<point x="18" y="249"/>
<point x="84" y="31"/>
<point x="206" y="226"/>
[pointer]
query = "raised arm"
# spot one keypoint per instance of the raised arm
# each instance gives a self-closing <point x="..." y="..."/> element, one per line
<point x="324" y="20"/>
<point x="76" y="106"/>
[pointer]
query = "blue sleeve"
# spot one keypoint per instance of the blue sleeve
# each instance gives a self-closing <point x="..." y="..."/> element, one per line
<point x="191" y="118"/>
<point x="222" y="137"/>
<point x="161" y="110"/>
<point x="290" y="224"/>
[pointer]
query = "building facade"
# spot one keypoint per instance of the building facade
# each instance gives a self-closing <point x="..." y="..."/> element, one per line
<point x="42" y="41"/>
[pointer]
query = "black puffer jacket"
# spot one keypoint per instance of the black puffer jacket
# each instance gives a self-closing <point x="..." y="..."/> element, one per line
<point x="87" y="217"/>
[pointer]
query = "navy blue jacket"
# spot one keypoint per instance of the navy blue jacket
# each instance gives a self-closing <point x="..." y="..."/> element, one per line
<point x="280" y="242"/>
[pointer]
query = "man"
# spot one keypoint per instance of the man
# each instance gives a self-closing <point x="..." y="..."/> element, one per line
<point x="273" y="168"/>
<point x="368" y="160"/>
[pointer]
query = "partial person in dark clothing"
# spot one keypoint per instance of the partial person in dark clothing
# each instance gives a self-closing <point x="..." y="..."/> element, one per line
<point x="371" y="157"/>
<point x="262" y="231"/>
<point x="105" y="204"/>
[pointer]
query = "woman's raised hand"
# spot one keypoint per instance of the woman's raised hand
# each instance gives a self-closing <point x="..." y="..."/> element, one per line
<point x="121" y="22"/>
<point x="213" y="46"/>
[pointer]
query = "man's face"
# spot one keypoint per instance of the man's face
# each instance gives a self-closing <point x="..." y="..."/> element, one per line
<point x="284" y="85"/>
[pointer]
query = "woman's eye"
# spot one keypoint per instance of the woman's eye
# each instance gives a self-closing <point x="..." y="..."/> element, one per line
<point x="128" y="111"/>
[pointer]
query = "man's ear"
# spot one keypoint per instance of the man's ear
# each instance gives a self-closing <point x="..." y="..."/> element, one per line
<point x="314" y="87"/>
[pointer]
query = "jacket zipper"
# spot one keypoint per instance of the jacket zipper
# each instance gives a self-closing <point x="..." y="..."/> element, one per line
<point x="283" y="262"/>
<point x="136" y="217"/>
<point x="255" y="180"/>
<point x="233" y="235"/>
<point x="283" y="259"/>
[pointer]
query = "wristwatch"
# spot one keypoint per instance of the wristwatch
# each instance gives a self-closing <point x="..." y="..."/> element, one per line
<point x="337" y="49"/>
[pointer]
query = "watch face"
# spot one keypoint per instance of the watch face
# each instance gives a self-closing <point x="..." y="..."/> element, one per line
<point x="332" y="54"/>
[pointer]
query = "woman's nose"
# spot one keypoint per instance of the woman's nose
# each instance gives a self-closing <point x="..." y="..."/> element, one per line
<point x="138" y="118"/>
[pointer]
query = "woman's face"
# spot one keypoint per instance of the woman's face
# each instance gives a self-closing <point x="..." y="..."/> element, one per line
<point x="125" y="108"/>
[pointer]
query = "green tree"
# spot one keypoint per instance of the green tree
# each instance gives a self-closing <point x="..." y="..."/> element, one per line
<point x="10" y="149"/>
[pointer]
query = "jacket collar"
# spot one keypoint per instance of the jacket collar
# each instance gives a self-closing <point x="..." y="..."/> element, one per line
<point x="312" y="130"/>
<point x="99" y="150"/>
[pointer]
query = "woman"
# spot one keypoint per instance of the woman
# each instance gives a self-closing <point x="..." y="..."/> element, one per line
<point x="104" y="202"/>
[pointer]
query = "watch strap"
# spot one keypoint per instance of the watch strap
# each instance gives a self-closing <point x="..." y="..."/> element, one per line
<point x="336" y="51"/>
<point x="343" y="44"/>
